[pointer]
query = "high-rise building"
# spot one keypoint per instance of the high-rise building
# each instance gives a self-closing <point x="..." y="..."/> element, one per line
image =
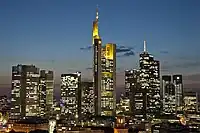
<point x="87" y="100"/>
<point x="190" y="102"/>
<point x="46" y="86"/>
<point x="97" y="47"/>
<point x="169" y="104"/>
<point x="71" y="97"/>
<point x="24" y="93"/>
<point x="123" y="107"/>
<point x="166" y="79"/>
<point x="108" y="81"/>
<point x="149" y="80"/>
<point x="104" y="74"/>
<point x="177" y="80"/>
<point x="168" y="96"/>
<point x="135" y="94"/>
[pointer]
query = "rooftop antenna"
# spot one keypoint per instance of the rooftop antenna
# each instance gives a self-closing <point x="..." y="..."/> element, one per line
<point x="145" y="49"/>
<point x="97" y="13"/>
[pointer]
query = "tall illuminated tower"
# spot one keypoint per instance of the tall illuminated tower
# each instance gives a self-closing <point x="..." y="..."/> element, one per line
<point x="108" y="81"/>
<point x="104" y="73"/>
<point x="97" y="47"/>
<point x="149" y="79"/>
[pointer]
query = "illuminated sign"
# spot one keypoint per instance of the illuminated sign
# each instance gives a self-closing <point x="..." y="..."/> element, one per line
<point x="109" y="51"/>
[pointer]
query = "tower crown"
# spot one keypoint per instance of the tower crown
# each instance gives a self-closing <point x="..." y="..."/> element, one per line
<point x="95" y="31"/>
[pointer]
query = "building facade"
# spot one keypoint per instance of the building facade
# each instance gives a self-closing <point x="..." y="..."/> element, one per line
<point x="71" y="97"/>
<point x="24" y="93"/>
<point x="166" y="79"/>
<point x="169" y="107"/>
<point x="87" y="100"/>
<point x="108" y="81"/>
<point x="149" y="81"/>
<point x="136" y="95"/>
<point x="46" y="86"/>
<point x="97" y="47"/>
<point x="177" y="80"/>
<point x="190" y="102"/>
<point x="104" y="74"/>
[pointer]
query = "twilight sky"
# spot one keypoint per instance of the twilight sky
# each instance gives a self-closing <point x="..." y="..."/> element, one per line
<point x="56" y="35"/>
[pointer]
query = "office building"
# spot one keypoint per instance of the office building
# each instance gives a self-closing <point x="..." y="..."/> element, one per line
<point x="190" y="102"/>
<point x="108" y="81"/>
<point x="149" y="80"/>
<point x="71" y="97"/>
<point x="177" y="80"/>
<point x="46" y="85"/>
<point x="135" y="94"/>
<point x="169" y="104"/>
<point x="97" y="47"/>
<point x="123" y="107"/>
<point x="24" y="93"/>
<point x="87" y="100"/>
<point x="104" y="74"/>
<point x="166" y="79"/>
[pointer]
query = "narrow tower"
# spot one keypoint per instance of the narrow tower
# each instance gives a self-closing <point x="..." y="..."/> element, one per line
<point x="97" y="64"/>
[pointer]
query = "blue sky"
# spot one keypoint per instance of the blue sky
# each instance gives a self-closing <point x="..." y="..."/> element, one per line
<point x="50" y="33"/>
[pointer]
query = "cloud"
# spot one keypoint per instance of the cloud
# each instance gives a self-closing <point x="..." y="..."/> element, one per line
<point x="164" y="52"/>
<point x="86" y="48"/>
<point x="89" y="68"/>
<point x="121" y="50"/>
<point x="127" y="54"/>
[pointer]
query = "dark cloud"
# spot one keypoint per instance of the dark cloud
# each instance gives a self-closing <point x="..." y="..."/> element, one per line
<point x="164" y="52"/>
<point x="89" y="68"/>
<point x="86" y="48"/>
<point x="124" y="51"/>
<point x="127" y="54"/>
<point x="130" y="53"/>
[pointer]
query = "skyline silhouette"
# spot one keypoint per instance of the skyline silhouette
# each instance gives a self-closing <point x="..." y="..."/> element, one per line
<point x="58" y="36"/>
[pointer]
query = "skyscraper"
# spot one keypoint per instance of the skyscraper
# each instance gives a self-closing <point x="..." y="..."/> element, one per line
<point x="46" y="86"/>
<point x="108" y="81"/>
<point x="24" y="93"/>
<point x="97" y="47"/>
<point x="136" y="94"/>
<point x="149" y="79"/>
<point x="169" y="104"/>
<point x="190" y="102"/>
<point x="168" y="95"/>
<point x="104" y="74"/>
<point x="177" y="80"/>
<point x="71" y="97"/>
<point x="87" y="100"/>
<point x="166" y="79"/>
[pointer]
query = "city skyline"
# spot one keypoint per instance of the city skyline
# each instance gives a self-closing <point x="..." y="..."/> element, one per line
<point x="48" y="38"/>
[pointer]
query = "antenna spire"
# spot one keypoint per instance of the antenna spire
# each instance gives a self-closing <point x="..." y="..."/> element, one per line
<point x="145" y="46"/>
<point x="97" y="13"/>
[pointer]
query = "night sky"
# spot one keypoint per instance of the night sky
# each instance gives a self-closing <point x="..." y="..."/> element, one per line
<point x="57" y="35"/>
